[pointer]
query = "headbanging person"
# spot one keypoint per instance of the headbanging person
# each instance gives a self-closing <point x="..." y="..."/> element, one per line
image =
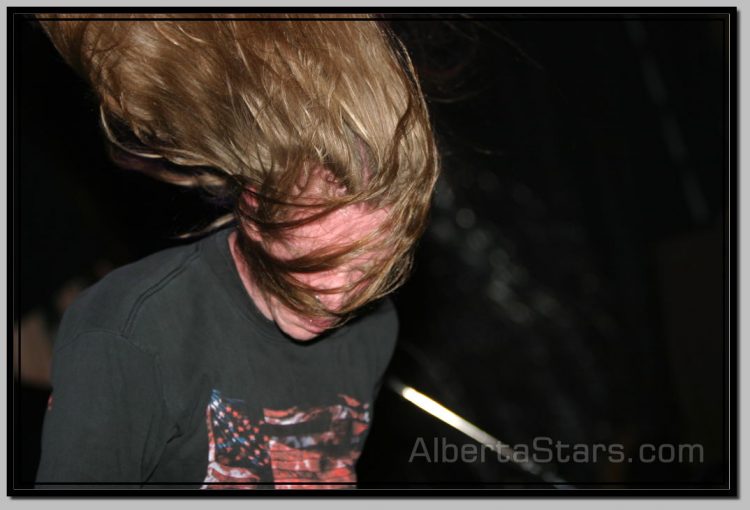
<point x="252" y="357"/>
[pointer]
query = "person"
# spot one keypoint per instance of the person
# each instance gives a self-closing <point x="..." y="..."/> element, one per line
<point x="251" y="357"/>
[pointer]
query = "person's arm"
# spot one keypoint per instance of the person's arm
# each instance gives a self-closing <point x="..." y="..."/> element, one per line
<point x="107" y="418"/>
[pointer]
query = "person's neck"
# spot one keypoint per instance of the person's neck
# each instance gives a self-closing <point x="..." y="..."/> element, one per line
<point x="247" y="281"/>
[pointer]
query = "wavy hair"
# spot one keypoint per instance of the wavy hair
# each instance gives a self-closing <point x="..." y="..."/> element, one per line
<point x="249" y="107"/>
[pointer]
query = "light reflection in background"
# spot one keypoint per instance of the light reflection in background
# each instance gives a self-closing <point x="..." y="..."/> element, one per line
<point x="484" y="439"/>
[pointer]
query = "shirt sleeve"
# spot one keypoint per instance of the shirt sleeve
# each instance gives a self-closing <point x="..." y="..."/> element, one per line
<point x="106" y="422"/>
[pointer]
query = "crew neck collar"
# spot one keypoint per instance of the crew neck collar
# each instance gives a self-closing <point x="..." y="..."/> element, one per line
<point x="219" y="258"/>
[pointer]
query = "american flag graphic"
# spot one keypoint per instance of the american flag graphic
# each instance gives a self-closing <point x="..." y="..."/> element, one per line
<point x="290" y="448"/>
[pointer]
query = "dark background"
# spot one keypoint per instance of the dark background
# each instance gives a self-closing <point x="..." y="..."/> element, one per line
<point x="571" y="284"/>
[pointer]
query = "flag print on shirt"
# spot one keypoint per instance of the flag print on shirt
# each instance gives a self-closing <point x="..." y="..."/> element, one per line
<point x="290" y="448"/>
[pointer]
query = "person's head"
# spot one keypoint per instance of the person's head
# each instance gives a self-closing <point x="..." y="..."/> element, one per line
<point x="355" y="230"/>
<point x="299" y="124"/>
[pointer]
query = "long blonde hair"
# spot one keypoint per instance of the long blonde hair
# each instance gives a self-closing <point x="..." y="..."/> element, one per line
<point x="250" y="105"/>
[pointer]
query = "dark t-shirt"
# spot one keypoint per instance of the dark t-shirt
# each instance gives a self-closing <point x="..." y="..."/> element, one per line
<point x="165" y="372"/>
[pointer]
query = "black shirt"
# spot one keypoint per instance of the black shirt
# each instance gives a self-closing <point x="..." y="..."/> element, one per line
<point x="166" y="373"/>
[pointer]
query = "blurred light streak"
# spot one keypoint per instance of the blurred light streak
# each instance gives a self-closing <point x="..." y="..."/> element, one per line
<point x="447" y="416"/>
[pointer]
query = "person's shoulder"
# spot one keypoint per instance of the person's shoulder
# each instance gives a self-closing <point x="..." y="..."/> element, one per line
<point x="380" y="327"/>
<point x="382" y="317"/>
<point x="113" y="302"/>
